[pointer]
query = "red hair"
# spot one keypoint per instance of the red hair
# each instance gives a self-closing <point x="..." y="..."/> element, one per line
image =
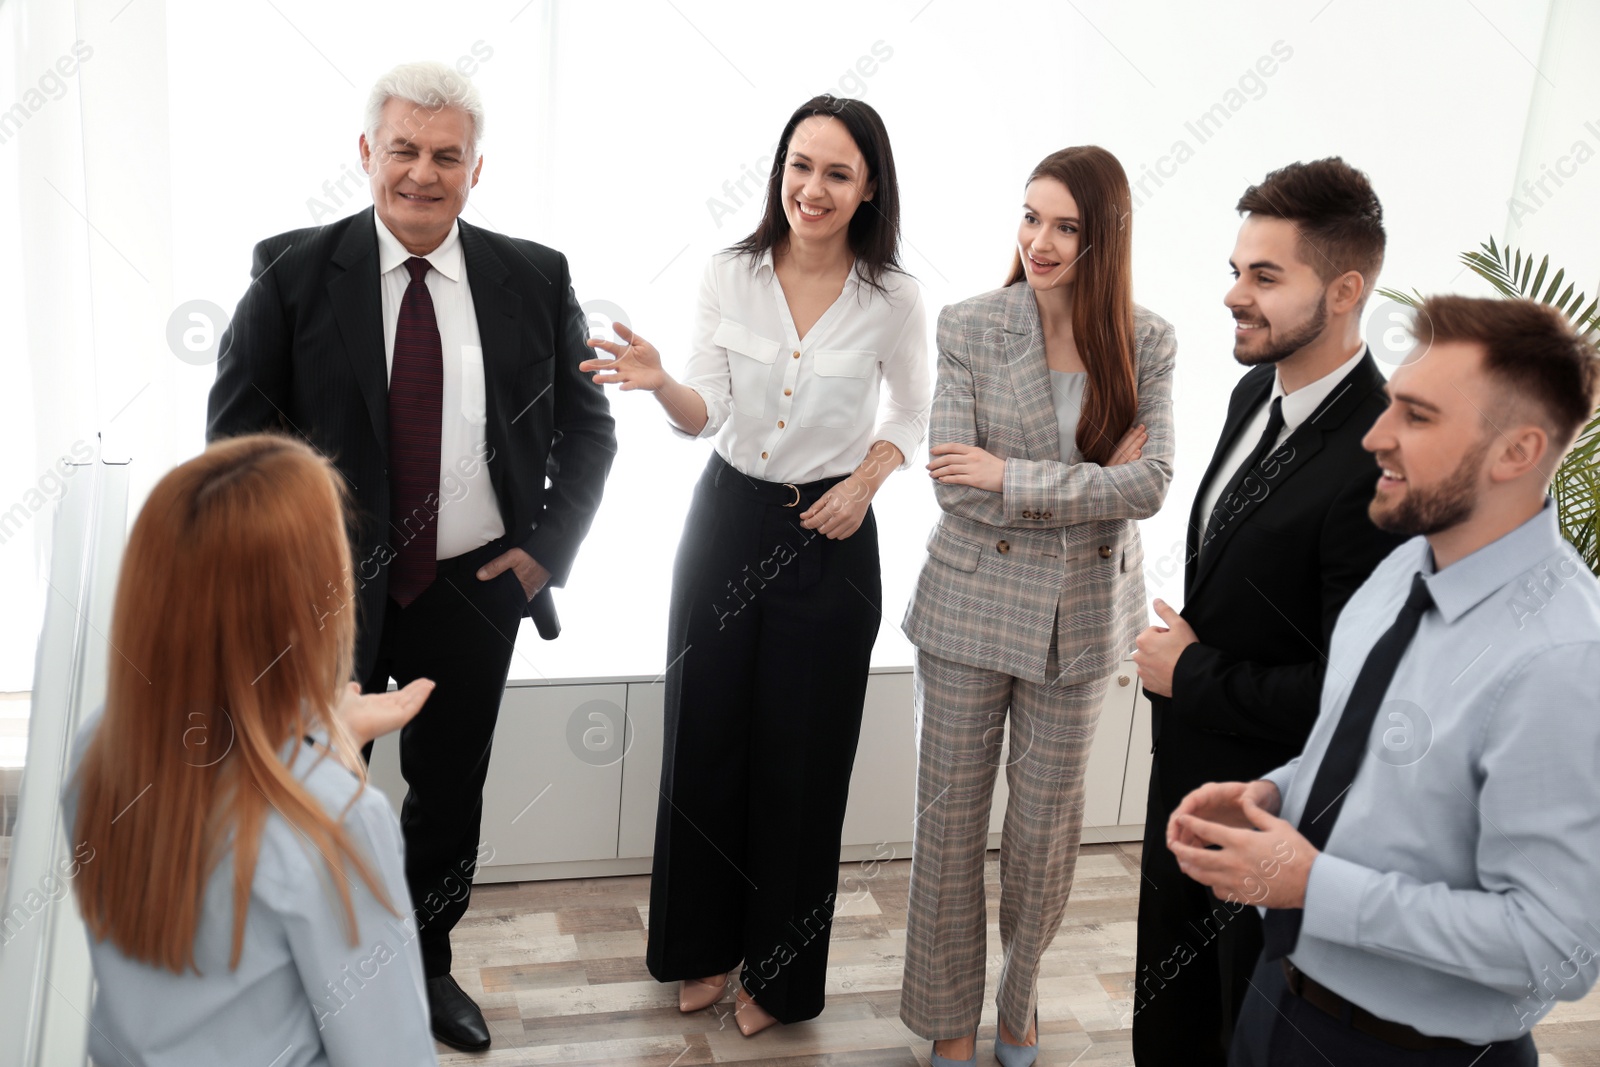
<point x="232" y="635"/>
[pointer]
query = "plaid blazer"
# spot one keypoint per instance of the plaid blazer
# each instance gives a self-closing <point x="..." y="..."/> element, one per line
<point x="1061" y="533"/>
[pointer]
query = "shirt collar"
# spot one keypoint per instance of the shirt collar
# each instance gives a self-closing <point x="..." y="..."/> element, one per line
<point x="1299" y="405"/>
<point x="764" y="262"/>
<point x="1469" y="580"/>
<point x="446" y="259"/>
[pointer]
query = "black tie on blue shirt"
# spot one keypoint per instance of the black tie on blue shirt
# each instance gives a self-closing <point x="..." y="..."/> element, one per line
<point x="1337" y="773"/>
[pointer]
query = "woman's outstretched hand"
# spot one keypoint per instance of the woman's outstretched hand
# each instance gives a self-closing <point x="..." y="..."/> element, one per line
<point x="637" y="365"/>
<point x="1130" y="448"/>
<point x="369" y="716"/>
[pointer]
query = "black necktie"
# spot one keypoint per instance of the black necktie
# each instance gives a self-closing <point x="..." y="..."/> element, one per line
<point x="1343" y="758"/>
<point x="1221" y="512"/>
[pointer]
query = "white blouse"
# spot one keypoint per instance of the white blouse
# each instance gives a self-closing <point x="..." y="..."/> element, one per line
<point x="785" y="409"/>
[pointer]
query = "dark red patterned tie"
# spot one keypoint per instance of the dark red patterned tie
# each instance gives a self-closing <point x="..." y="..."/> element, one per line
<point x="416" y="390"/>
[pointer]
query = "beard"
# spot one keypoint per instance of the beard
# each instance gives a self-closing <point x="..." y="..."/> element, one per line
<point x="1429" y="511"/>
<point x="1293" y="340"/>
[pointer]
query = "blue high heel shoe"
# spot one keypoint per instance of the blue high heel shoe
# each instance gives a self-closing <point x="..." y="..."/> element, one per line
<point x="1011" y="1055"/>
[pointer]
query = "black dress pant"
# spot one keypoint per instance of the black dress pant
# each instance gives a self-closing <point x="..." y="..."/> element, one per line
<point x="460" y="632"/>
<point x="1278" y="1029"/>
<point x="769" y="638"/>
<point x="1193" y="957"/>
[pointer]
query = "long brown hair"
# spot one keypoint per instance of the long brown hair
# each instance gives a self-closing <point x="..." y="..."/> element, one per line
<point x="1102" y="299"/>
<point x="232" y="635"/>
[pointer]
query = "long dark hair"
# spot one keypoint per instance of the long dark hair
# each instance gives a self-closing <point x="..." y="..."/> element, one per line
<point x="1102" y="302"/>
<point x="874" y="232"/>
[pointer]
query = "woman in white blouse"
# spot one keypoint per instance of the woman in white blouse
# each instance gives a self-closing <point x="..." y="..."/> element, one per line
<point x="776" y="594"/>
<point x="243" y="889"/>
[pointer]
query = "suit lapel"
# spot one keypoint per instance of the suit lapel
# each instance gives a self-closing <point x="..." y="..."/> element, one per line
<point x="497" y="309"/>
<point x="495" y="305"/>
<point x="358" y="309"/>
<point x="1296" y="451"/>
<point x="1247" y="396"/>
<point x="1030" y="375"/>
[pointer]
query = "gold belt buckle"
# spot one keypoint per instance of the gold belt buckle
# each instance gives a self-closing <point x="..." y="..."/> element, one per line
<point x="796" y="501"/>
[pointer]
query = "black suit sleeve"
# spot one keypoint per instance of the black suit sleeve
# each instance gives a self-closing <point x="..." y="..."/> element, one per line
<point x="251" y="391"/>
<point x="1217" y="691"/>
<point x="582" y="445"/>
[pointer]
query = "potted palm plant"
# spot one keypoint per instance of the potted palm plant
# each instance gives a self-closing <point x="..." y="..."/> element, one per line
<point x="1576" y="485"/>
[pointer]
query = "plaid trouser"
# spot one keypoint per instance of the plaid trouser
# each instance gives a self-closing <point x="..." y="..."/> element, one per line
<point x="960" y="714"/>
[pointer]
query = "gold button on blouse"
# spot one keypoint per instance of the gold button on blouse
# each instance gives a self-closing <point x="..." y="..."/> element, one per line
<point x="797" y="355"/>
<point x="1105" y="551"/>
<point x="780" y="424"/>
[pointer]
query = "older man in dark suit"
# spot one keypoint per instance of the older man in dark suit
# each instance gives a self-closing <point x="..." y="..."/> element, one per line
<point x="436" y="364"/>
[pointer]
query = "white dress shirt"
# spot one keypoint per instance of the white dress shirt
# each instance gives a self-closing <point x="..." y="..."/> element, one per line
<point x="1297" y="408"/>
<point x="469" y="514"/>
<point x="785" y="409"/>
<point x="302" y="996"/>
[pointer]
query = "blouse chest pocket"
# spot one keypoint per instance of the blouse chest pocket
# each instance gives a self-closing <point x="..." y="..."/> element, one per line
<point x="840" y="388"/>
<point x="750" y="360"/>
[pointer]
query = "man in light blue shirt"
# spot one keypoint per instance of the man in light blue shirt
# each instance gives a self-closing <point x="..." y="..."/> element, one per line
<point x="1432" y="887"/>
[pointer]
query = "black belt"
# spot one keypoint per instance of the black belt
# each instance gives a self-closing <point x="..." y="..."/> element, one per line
<point x="728" y="478"/>
<point x="1399" y="1035"/>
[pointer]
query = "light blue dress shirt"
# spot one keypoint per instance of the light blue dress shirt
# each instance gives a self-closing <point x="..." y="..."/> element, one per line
<point x="302" y="996"/>
<point x="1460" y="889"/>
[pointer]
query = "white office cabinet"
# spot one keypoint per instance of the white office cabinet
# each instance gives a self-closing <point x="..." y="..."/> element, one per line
<point x="555" y="776"/>
<point x="641" y="771"/>
<point x="574" y="780"/>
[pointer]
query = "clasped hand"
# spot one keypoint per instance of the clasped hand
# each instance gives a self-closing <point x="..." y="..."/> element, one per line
<point x="1260" y="859"/>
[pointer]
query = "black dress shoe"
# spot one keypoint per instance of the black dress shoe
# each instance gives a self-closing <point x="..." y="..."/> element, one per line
<point x="456" y="1020"/>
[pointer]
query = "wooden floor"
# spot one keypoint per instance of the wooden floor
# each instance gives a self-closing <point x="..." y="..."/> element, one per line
<point x="558" y="968"/>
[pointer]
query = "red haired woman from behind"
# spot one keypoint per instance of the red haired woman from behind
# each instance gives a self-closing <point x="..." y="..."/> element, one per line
<point x="243" y="889"/>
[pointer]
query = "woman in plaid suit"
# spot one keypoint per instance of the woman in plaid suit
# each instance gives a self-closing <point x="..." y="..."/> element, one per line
<point x="1051" y="434"/>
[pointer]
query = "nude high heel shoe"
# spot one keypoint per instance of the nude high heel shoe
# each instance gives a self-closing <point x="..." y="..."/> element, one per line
<point x="697" y="993"/>
<point x="750" y="1017"/>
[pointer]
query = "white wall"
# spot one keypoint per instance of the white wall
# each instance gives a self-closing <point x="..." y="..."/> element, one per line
<point x="611" y="151"/>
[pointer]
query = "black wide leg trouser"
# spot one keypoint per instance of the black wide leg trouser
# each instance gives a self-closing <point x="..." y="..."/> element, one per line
<point x="768" y="643"/>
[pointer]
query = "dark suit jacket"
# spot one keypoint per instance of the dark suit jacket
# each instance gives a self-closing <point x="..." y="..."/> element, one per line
<point x="304" y="354"/>
<point x="1264" y="596"/>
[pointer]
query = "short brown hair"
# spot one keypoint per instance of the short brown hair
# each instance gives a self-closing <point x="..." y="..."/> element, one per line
<point x="1528" y="347"/>
<point x="1333" y="206"/>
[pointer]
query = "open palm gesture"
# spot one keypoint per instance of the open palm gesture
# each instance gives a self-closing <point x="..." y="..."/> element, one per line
<point x="637" y="364"/>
